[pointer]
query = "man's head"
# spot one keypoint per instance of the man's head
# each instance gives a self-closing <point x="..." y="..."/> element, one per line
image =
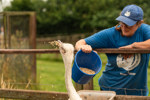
<point x="130" y="15"/>
<point x="130" y="19"/>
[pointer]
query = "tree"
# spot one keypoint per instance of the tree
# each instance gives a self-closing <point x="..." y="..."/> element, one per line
<point x="20" y="5"/>
<point x="75" y="16"/>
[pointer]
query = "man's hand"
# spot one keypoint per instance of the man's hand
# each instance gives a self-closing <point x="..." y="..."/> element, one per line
<point x="81" y="45"/>
<point x="86" y="48"/>
<point x="126" y="47"/>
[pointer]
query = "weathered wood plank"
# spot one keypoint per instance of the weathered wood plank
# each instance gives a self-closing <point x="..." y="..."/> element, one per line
<point x="32" y="42"/>
<point x="32" y="95"/>
<point x="114" y="50"/>
<point x="45" y="95"/>
<point x="124" y="97"/>
<point x="96" y="95"/>
<point x="89" y="85"/>
<point x="78" y="87"/>
<point x="12" y="13"/>
<point x="26" y="51"/>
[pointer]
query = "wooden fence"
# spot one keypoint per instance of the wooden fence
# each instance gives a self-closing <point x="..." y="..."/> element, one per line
<point x="43" y="95"/>
<point x="28" y="51"/>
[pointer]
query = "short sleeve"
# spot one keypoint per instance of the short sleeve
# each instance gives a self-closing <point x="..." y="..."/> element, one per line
<point x="146" y="32"/>
<point x="100" y="39"/>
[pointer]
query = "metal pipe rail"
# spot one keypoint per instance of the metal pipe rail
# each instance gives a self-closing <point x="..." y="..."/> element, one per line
<point x="106" y="50"/>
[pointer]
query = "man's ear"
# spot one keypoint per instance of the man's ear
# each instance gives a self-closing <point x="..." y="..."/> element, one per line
<point x="140" y="22"/>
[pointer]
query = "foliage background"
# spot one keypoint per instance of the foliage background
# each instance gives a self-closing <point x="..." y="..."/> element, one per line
<point x="76" y="16"/>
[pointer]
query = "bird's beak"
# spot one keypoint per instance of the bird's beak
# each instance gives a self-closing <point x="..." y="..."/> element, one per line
<point x="59" y="43"/>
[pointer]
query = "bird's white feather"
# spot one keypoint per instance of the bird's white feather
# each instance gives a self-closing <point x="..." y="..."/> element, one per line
<point x="67" y="52"/>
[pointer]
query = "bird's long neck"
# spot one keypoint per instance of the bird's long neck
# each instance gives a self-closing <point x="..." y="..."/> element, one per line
<point x="68" y="80"/>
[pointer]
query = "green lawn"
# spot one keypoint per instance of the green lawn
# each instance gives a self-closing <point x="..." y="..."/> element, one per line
<point x="50" y="71"/>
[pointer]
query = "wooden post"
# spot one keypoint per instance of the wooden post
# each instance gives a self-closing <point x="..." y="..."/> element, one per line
<point x="32" y="42"/>
<point x="5" y="30"/>
<point x="78" y="87"/>
<point x="88" y="86"/>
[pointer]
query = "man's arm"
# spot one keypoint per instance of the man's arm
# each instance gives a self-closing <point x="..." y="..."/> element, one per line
<point x="138" y="45"/>
<point x="142" y="45"/>
<point x="81" y="44"/>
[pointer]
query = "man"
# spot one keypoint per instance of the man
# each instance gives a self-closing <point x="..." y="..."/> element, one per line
<point x="125" y="74"/>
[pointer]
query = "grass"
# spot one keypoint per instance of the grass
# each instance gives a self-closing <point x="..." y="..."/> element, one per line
<point x="50" y="71"/>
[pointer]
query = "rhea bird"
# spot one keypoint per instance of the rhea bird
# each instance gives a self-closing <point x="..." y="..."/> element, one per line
<point x="67" y="52"/>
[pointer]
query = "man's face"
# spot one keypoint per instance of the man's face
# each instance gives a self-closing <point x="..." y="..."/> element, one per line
<point x="128" y="31"/>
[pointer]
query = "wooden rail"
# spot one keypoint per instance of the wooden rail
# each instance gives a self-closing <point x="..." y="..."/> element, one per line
<point x="45" y="95"/>
<point x="110" y="50"/>
<point x="107" y="50"/>
<point x="32" y="94"/>
<point x="125" y="97"/>
<point x="27" y="51"/>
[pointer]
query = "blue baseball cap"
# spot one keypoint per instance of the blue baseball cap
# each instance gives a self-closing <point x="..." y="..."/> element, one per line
<point x="130" y="15"/>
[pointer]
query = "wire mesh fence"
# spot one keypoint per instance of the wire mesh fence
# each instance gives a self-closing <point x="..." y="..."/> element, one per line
<point x="16" y="32"/>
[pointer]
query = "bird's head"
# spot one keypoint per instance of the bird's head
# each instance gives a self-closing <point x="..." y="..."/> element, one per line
<point x="64" y="48"/>
<point x="67" y="52"/>
<point x="61" y="47"/>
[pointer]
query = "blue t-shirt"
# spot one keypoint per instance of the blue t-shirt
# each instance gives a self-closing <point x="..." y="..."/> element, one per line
<point x="124" y="76"/>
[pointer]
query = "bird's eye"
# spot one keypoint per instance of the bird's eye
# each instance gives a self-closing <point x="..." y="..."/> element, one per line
<point x="63" y="50"/>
